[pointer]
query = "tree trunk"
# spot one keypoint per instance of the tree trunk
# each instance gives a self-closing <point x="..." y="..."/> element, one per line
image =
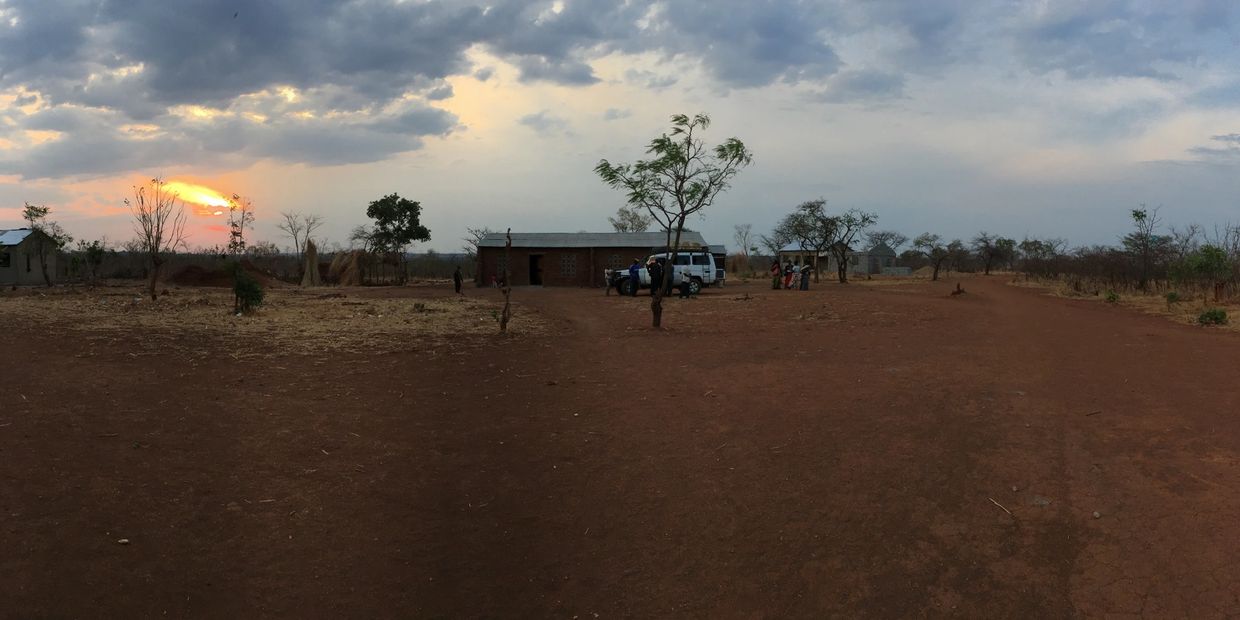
<point x="40" y="249"/>
<point x="935" y="277"/>
<point x="507" y="314"/>
<point x="156" y="264"/>
<point x="816" y="274"/>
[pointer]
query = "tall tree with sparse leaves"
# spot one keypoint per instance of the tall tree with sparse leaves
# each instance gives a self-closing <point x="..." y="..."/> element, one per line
<point x="49" y="236"/>
<point x="681" y="178"/>
<point x="159" y="222"/>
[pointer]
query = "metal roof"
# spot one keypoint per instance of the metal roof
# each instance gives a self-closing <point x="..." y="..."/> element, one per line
<point x="14" y="237"/>
<point x="592" y="240"/>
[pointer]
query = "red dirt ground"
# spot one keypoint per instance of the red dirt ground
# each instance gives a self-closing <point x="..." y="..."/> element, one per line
<point x="839" y="452"/>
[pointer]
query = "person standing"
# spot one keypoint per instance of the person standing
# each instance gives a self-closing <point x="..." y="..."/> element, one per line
<point x="456" y="279"/>
<point x="775" y="272"/>
<point x="656" y="275"/>
<point x="635" y="276"/>
<point x="788" y="275"/>
<point x="686" y="282"/>
<point x="805" y="271"/>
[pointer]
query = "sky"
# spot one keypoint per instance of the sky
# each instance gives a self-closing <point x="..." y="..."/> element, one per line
<point x="1044" y="118"/>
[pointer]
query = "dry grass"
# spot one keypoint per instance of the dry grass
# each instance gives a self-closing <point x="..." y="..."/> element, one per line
<point x="288" y="322"/>
<point x="1185" y="311"/>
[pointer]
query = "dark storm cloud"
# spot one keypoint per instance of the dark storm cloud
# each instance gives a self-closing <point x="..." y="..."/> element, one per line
<point x="137" y="60"/>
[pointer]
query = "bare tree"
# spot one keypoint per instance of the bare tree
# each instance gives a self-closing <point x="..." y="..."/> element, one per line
<point x="476" y="235"/>
<point x="159" y="222"/>
<point x="240" y="217"/>
<point x="630" y="220"/>
<point x="682" y="178"/>
<point x="742" y="235"/>
<point x="931" y="246"/>
<point x="889" y="238"/>
<point x="775" y="241"/>
<point x="848" y="226"/>
<point x="49" y="236"/>
<point x="300" y="228"/>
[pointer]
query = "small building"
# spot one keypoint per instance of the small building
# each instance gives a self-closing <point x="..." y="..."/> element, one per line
<point x="866" y="262"/>
<point x="19" y="258"/>
<point x="574" y="259"/>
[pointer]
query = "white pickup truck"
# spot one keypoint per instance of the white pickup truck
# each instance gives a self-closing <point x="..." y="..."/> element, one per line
<point x="700" y="265"/>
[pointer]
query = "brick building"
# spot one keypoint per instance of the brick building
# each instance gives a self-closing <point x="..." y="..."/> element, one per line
<point x="573" y="259"/>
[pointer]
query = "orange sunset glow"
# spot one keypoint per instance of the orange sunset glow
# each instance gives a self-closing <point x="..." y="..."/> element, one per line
<point x="204" y="200"/>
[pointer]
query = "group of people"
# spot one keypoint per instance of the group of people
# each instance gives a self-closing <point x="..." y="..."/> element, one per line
<point x="683" y="280"/>
<point x="790" y="276"/>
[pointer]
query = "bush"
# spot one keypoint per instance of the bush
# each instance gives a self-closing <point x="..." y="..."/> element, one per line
<point x="1112" y="297"/>
<point x="1213" y="316"/>
<point x="1172" y="298"/>
<point x="247" y="291"/>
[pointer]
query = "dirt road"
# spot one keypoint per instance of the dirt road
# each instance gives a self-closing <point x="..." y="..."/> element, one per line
<point x="850" y="451"/>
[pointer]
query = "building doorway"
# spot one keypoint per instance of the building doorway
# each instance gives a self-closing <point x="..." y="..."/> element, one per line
<point x="536" y="269"/>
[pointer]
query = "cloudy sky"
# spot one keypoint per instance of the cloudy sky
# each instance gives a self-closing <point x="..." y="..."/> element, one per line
<point x="1041" y="118"/>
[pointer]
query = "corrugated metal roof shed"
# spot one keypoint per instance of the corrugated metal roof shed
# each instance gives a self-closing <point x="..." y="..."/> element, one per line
<point x="590" y="240"/>
<point x="14" y="237"/>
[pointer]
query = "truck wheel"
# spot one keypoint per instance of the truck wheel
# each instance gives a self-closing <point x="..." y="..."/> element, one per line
<point x="695" y="286"/>
<point x="625" y="286"/>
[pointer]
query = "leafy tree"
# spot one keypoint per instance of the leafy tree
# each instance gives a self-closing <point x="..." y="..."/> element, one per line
<point x="93" y="254"/>
<point x="992" y="250"/>
<point x="931" y="246"/>
<point x="49" y="236"/>
<point x="1210" y="266"/>
<point x="630" y="220"/>
<point x="396" y="226"/>
<point x="681" y="178"/>
<point x="957" y="255"/>
<point x="852" y="223"/>
<point x="810" y="226"/>
<point x="159" y="222"/>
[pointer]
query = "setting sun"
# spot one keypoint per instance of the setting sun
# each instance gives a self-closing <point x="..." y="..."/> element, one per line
<point x="206" y="201"/>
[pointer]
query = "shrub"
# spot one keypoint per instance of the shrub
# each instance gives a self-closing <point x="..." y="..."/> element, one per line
<point x="248" y="293"/>
<point x="1213" y="316"/>
<point x="1112" y="297"/>
<point x="1172" y="298"/>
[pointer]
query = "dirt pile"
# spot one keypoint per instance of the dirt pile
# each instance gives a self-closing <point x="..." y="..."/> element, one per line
<point x="311" y="275"/>
<point x="346" y="269"/>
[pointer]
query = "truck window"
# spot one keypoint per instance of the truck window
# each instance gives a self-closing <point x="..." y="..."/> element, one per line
<point x="682" y="259"/>
<point x="701" y="259"/>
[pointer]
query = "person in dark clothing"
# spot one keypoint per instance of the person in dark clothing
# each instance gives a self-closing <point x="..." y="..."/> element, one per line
<point x="777" y="275"/>
<point x="805" y="271"/>
<point x="456" y="280"/>
<point x="656" y="276"/>
<point x="635" y="278"/>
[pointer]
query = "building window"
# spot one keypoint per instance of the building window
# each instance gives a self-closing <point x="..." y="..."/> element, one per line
<point x="27" y="263"/>
<point x="853" y="260"/>
<point x="5" y="260"/>
<point x="568" y="265"/>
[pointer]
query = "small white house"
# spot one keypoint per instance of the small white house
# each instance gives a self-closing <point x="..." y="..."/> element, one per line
<point x="19" y="258"/>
